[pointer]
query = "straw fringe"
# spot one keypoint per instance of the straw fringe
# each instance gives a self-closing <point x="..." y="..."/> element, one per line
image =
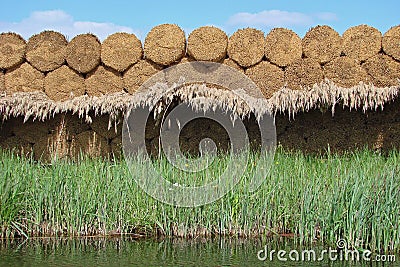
<point x="37" y="106"/>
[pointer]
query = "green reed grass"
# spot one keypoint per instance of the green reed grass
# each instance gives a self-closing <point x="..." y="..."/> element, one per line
<point x="355" y="196"/>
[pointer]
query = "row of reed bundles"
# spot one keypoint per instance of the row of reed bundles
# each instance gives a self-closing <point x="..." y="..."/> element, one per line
<point x="48" y="62"/>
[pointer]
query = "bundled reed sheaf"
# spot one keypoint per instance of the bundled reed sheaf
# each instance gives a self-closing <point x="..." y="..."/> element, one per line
<point x="322" y="43"/>
<point x="345" y="72"/>
<point x="246" y="47"/>
<point x="137" y="74"/>
<point x="24" y="78"/>
<point x="231" y="63"/>
<point x="102" y="81"/>
<point x="282" y="47"/>
<point x="391" y="42"/>
<point x="12" y="50"/>
<point x="303" y="74"/>
<point x="207" y="44"/>
<point x="46" y="51"/>
<point x="83" y="53"/>
<point x="384" y="70"/>
<point x="361" y="42"/>
<point x="268" y="77"/>
<point x="121" y="50"/>
<point x="64" y="83"/>
<point x="165" y="44"/>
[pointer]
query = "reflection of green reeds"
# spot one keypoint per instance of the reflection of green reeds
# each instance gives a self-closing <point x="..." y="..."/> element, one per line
<point x="355" y="196"/>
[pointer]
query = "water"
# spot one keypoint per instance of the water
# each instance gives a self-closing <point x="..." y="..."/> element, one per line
<point x="149" y="252"/>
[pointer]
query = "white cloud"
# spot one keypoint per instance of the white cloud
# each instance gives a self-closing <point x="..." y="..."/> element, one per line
<point x="277" y="18"/>
<point x="328" y="16"/>
<point x="61" y="21"/>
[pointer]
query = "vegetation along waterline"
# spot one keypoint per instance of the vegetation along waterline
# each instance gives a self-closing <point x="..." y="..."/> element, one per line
<point x="310" y="198"/>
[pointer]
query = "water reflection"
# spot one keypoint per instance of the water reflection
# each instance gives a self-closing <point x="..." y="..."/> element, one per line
<point x="147" y="252"/>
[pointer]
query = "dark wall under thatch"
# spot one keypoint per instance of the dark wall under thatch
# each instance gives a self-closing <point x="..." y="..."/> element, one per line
<point x="66" y="135"/>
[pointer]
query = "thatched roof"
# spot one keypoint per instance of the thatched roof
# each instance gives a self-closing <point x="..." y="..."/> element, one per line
<point x="38" y="79"/>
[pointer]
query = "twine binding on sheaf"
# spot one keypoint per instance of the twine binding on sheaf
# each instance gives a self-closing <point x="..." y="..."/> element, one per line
<point x="37" y="106"/>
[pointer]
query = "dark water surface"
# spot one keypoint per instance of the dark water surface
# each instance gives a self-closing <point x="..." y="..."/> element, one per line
<point x="150" y="252"/>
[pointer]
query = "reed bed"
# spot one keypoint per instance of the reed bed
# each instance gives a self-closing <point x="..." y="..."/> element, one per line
<point x="355" y="196"/>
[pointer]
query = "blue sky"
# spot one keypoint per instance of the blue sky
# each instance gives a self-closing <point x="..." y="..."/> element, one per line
<point x="105" y="17"/>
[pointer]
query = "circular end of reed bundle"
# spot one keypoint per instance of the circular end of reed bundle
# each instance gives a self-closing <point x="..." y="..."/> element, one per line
<point x="90" y="144"/>
<point x="165" y="44"/>
<point x="268" y="77"/>
<point x="102" y="81"/>
<point x="137" y="74"/>
<point x="303" y="74"/>
<point x="282" y="47"/>
<point x="46" y="51"/>
<point x="24" y="78"/>
<point x="361" y="42"/>
<point x="2" y="84"/>
<point x="391" y="42"/>
<point x="17" y="145"/>
<point x="345" y="72"/>
<point x="231" y="63"/>
<point x="100" y="126"/>
<point x="83" y="53"/>
<point x="322" y="43"/>
<point x="12" y="50"/>
<point x="246" y="47"/>
<point x="63" y="84"/>
<point x="121" y="50"/>
<point x="207" y="44"/>
<point x="384" y="70"/>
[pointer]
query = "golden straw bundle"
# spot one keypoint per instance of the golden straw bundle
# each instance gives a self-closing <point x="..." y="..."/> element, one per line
<point x="268" y="77"/>
<point x="282" y="47"/>
<point x="165" y="44"/>
<point x="24" y="78"/>
<point x="102" y="81"/>
<point x="121" y="50"/>
<point x="246" y="47"/>
<point x="231" y="63"/>
<point x="46" y="51"/>
<point x="303" y="74"/>
<point x="391" y="42"/>
<point x="83" y="53"/>
<point x="64" y="83"/>
<point x="207" y="44"/>
<point x="137" y="74"/>
<point x="361" y="42"/>
<point x="345" y="72"/>
<point x="12" y="50"/>
<point x="322" y="43"/>
<point x="384" y="70"/>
